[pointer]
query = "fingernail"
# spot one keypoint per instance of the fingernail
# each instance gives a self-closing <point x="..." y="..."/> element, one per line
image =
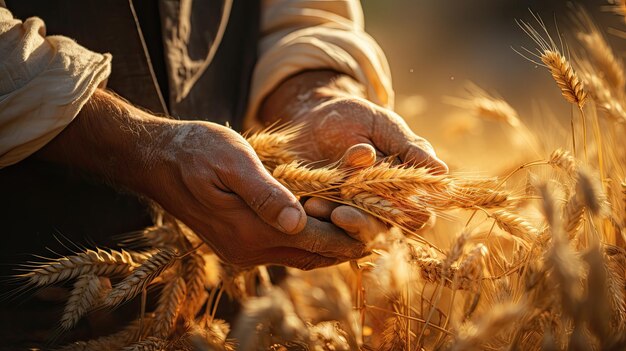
<point x="289" y="218"/>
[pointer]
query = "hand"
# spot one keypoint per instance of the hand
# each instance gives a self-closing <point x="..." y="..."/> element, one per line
<point x="218" y="187"/>
<point x="207" y="176"/>
<point x="337" y="117"/>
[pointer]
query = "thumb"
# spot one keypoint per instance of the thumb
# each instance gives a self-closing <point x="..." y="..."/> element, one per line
<point x="269" y="199"/>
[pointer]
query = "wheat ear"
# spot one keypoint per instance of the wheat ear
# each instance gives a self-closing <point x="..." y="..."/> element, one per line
<point x="274" y="146"/>
<point x="87" y="293"/>
<point x="132" y="285"/>
<point x="302" y="180"/>
<point x="565" y="77"/>
<point x="515" y="225"/>
<point x="563" y="159"/>
<point x="194" y="275"/>
<point x="600" y="50"/>
<point x="168" y="307"/>
<point x="100" y="262"/>
<point x="385" y="178"/>
<point x="573" y="214"/>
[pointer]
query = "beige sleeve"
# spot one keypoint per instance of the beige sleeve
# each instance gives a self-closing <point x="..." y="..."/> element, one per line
<point x="299" y="35"/>
<point x="44" y="82"/>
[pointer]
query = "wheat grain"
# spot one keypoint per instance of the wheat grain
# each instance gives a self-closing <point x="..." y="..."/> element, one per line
<point x="393" y="334"/>
<point x="391" y="211"/>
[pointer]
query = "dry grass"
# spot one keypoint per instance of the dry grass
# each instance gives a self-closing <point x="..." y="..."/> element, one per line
<point x="538" y="266"/>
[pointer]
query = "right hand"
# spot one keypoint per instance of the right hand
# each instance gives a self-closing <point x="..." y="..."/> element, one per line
<point x="209" y="177"/>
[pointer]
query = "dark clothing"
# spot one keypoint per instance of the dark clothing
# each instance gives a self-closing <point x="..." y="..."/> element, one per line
<point x="40" y="200"/>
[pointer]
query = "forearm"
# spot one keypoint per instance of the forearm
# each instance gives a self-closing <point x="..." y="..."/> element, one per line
<point x="302" y="92"/>
<point x="110" y="139"/>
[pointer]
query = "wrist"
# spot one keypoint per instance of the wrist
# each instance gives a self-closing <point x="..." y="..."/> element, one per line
<point x="302" y="92"/>
<point x="111" y="140"/>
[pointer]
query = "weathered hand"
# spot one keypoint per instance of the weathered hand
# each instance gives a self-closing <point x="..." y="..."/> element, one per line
<point x="336" y="117"/>
<point x="213" y="181"/>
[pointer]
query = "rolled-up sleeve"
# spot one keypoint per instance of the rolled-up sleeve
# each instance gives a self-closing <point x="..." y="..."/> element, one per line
<point x="44" y="82"/>
<point x="300" y="35"/>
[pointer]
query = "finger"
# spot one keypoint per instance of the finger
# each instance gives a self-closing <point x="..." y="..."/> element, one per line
<point x="359" y="156"/>
<point x="394" y="137"/>
<point x="271" y="201"/>
<point x="325" y="239"/>
<point x="357" y="223"/>
<point x="319" y="208"/>
<point x="422" y="155"/>
<point x="301" y="259"/>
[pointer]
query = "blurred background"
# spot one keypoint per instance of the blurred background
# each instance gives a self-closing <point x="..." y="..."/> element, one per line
<point x="435" y="47"/>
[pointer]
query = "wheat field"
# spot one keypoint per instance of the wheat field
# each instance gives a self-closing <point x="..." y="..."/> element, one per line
<point x="531" y="259"/>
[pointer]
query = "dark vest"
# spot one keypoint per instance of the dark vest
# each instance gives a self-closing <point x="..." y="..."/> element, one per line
<point x="40" y="200"/>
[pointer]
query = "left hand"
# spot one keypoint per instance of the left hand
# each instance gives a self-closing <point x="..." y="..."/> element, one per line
<point x="337" y="116"/>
